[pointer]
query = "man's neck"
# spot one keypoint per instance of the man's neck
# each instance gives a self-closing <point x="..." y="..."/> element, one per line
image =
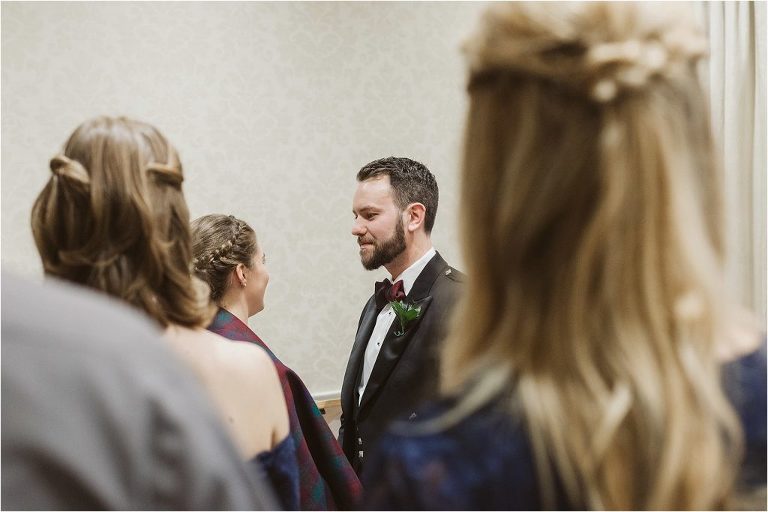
<point x="408" y="257"/>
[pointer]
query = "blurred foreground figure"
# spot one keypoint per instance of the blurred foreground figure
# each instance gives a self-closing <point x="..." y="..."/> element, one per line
<point x="98" y="414"/>
<point x="595" y="361"/>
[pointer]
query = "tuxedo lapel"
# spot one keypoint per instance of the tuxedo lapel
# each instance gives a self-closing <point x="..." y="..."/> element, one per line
<point x="391" y="350"/>
<point x="423" y="284"/>
<point x="394" y="346"/>
<point x="355" y="365"/>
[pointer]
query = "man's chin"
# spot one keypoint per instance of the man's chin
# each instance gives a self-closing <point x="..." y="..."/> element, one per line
<point x="369" y="264"/>
<point x="367" y="257"/>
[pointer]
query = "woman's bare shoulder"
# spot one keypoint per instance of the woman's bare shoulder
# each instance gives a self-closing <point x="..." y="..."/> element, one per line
<point x="252" y="371"/>
<point x="242" y="380"/>
<point x="240" y="356"/>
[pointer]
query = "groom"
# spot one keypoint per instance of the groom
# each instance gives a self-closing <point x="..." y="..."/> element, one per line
<point x="394" y="361"/>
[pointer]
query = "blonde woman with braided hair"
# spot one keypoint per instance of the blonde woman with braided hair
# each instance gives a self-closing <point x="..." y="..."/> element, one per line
<point x="229" y="258"/>
<point x="113" y="217"/>
<point x="592" y="362"/>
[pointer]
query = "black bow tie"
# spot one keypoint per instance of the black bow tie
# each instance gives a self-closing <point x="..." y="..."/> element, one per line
<point x="387" y="292"/>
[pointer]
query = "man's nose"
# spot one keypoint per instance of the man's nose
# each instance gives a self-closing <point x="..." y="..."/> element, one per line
<point x="357" y="228"/>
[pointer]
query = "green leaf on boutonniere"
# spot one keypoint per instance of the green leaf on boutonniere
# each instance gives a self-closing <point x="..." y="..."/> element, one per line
<point x="406" y="313"/>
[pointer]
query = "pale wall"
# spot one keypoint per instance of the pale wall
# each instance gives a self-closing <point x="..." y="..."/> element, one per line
<point x="273" y="107"/>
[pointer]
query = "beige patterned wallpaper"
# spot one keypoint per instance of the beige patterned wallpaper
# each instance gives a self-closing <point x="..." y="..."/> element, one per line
<point x="273" y="106"/>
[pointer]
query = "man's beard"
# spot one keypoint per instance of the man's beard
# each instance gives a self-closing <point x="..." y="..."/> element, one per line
<point x="386" y="251"/>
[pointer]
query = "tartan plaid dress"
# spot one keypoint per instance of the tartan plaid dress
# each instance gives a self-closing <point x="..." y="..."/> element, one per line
<point x="326" y="479"/>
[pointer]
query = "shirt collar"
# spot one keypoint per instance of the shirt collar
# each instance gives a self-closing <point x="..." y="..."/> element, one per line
<point x="410" y="274"/>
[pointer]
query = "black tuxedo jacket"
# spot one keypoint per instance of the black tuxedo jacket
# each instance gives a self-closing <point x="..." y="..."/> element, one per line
<point x="406" y="370"/>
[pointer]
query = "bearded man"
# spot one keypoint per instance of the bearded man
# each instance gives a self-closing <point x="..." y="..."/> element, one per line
<point x="394" y="361"/>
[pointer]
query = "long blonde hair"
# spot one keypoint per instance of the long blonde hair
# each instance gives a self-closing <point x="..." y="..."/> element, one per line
<point x="591" y="228"/>
<point x="113" y="217"/>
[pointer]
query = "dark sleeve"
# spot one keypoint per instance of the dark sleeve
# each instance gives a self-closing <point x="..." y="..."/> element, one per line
<point x="745" y="381"/>
<point x="343" y="416"/>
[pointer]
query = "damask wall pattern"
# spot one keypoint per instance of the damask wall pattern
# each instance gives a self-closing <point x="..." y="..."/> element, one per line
<point x="273" y="107"/>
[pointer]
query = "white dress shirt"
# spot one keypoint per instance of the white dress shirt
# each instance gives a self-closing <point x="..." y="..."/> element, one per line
<point x="385" y="318"/>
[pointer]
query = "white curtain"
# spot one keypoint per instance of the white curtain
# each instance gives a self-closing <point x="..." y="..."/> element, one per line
<point x="736" y="78"/>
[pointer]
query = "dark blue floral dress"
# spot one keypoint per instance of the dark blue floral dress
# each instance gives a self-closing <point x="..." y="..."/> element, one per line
<point x="278" y="467"/>
<point x="485" y="461"/>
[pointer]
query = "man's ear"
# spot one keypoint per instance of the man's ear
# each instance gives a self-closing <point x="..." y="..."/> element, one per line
<point x="417" y="214"/>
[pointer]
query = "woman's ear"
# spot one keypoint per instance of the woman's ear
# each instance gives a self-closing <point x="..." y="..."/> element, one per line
<point x="417" y="214"/>
<point x="240" y="275"/>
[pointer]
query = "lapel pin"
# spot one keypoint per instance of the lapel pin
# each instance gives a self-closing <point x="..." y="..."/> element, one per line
<point x="448" y="272"/>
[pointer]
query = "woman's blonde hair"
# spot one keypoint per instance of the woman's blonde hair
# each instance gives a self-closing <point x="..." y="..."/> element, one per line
<point x="113" y="217"/>
<point x="591" y="227"/>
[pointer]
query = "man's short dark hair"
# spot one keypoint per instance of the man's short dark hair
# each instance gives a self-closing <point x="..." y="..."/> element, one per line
<point x="411" y="182"/>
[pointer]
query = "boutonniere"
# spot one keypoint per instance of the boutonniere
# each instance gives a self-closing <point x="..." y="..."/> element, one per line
<point x="406" y="314"/>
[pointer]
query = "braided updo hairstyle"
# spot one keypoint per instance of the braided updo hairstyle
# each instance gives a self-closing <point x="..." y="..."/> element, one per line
<point x="113" y="217"/>
<point x="220" y="243"/>
<point x="591" y="228"/>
